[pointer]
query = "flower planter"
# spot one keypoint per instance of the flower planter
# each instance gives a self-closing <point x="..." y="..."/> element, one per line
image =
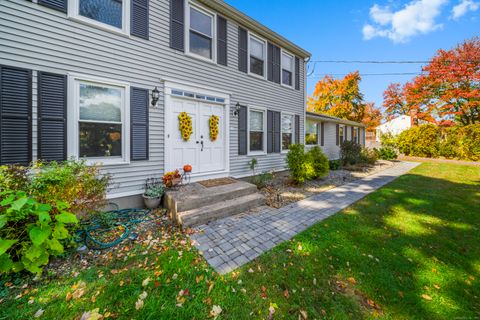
<point x="151" y="203"/>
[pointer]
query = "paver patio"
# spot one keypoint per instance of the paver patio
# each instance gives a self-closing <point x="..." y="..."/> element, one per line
<point x="231" y="242"/>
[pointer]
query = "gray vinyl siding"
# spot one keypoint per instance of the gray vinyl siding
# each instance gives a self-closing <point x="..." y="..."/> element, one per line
<point x="330" y="148"/>
<point x="42" y="39"/>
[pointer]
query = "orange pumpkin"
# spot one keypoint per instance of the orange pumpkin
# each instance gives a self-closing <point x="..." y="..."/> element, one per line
<point x="187" y="168"/>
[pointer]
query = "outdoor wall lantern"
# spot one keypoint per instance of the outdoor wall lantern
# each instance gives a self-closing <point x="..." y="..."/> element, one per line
<point x="237" y="109"/>
<point x="155" y="96"/>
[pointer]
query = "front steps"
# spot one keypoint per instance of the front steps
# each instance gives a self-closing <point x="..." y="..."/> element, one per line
<point x="194" y="204"/>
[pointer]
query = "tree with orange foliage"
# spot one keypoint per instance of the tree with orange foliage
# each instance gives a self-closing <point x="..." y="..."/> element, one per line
<point x="447" y="91"/>
<point x="338" y="97"/>
<point x="372" y="117"/>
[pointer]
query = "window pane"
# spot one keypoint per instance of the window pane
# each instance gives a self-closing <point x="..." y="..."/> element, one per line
<point x="286" y="77"/>
<point x="100" y="103"/>
<point x="106" y="11"/>
<point x="200" y="45"/>
<point x="287" y="124"/>
<point x="287" y="62"/>
<point x="200" y="22"/>
<point x="256" y="66"/>
<point x="256" y="141"/>
<point x="311" y="132"/>
<point x="256" y="121"/>
<point x="100" y="140"/>
<point x="286" y="140"/>
<point x="257" y="49"/>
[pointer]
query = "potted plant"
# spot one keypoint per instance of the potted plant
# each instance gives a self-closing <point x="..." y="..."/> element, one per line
<point x="154" y="191"/>
<point x="172" y="179"/>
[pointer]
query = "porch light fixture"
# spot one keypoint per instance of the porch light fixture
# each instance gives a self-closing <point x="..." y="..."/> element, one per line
<point x="237" y="109"/>
<point x="155" y="96"/>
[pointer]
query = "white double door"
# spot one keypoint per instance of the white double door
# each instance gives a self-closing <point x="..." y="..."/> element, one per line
<point x="204" y="155"/>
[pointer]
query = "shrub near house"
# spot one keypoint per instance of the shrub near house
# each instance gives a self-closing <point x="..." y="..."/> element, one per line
<point x="308" y="165"/>
<point x="39" y="206"/>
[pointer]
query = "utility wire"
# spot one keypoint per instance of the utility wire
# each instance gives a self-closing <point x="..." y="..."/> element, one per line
<point x="386" y="61"/>
<point x="367" y="74"/>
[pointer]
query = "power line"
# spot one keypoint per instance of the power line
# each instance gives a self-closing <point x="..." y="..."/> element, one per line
<point x="366" y="74"/>
<point x="373" y="61"/>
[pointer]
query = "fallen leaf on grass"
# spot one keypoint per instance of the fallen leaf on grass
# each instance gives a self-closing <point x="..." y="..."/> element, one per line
<point x="286" y="294"/>
<point x="145" y="282"/>
<point x="92" y="315"/>
<point x="215" y="312"/>
<point x="352" y="280"/>
<point x="436" y="286"/>
<point x="143" y="295"/>
<point x="426" y="297"/>
<point x="139" y="304"/>
<point x="304" y="314"/>
<point x="39" y="313"/>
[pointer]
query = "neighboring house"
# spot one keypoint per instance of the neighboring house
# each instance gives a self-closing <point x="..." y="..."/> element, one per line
<point x="79" y="79"/>
<point x="394" y="126"/>
<point x="329" y="132"/>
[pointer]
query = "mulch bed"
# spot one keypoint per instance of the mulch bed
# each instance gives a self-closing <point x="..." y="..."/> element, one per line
<point x="281" y="191"/>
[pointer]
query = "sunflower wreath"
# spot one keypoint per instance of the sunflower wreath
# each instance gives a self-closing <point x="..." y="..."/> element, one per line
<point x="213" y="127"/>
<point x="185" y="125"/>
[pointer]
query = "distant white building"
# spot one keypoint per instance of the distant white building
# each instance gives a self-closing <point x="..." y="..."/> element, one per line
<point x="394" y="126"/>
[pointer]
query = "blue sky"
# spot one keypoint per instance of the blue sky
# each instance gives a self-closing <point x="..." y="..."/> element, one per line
<point x="368" y="30"/>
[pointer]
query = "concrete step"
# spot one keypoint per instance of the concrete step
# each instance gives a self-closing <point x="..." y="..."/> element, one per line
<point x="195" y="195"/>
<point x="230" y="207"/>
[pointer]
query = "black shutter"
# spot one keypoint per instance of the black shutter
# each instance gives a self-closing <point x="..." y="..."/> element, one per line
<point x="242" y="50"/>
<point x="337" y="137"/>
<point x="270" y="137"/>
<point x="274" y="57"/>
<point x="277" y="119"/>
<point x="139" y="24"/>
<point x="15" y="116"/>
<point x="297" y="128"/>
<point x="242" y="131"/>
<point x="273" y="131"/>
<point x="52" y="116"/>
<point x="221" y="41"/>
<point x="139" y="124"/>
<point x="60" y="5"/>
<point x="322" y="134"/>
<point x="297" y="73"/>
<point x="177" y="22"/>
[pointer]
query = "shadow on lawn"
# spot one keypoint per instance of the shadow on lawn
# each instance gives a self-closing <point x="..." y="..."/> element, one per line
<point x="424" y="232"/>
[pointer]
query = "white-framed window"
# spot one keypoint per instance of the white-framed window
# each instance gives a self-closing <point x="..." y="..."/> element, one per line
<point x="257" y="53"/>
<point x="341" y="134"/>
<point x="99" y="129"/>
<point x="311" y="132"/>
<point x="200" y="32"/>
<point x="288" y="63"/>
<point x="287" y="126"/>
<point x="355" y="135"/>
<point x="112" y="15"/>
<point x="257" y="135"/>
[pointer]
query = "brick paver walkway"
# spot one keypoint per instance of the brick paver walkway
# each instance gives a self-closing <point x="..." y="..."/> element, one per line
<point x="231" y="242"/>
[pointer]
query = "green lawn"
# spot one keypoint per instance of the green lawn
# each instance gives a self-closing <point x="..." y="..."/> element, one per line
<point x="409" y="250"/>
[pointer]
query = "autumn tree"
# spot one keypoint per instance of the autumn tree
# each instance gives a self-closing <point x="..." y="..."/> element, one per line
<point x="372" y="116"/>
<point x="448" y="90"/>
<point x="338" y="97"/>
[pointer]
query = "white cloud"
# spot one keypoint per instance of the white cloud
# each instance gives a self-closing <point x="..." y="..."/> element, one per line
<point x="416" y="17"/>
<point x="463" y="7"/>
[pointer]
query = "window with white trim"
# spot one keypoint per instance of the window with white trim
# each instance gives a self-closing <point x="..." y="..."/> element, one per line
<point x="257" y="53"/>
<point x="256" y="129"/>
<point x="311" y="132"/>
<point x="355" y="135"/>
<point x="201" y="35"/>
<point x="288" y="121"/>
<point x="100" y="112"/>
<point x="109" y="14"/>
<point x="287" y="69"/>
<point x="341" y="134"/>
